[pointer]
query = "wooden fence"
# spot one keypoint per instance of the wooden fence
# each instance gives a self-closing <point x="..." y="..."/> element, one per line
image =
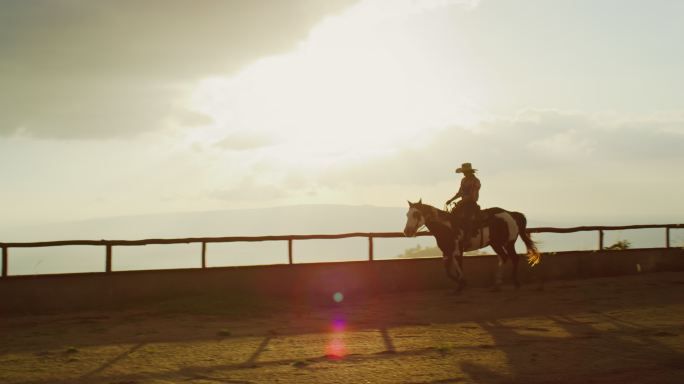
<point x="108" y="244"/>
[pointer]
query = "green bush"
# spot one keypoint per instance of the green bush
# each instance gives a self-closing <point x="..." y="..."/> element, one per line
<point x="620" y="245"/>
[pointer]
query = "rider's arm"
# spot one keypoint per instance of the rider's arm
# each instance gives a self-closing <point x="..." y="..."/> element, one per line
<point x="461" y="190"/>
<point x="457" y="195"/>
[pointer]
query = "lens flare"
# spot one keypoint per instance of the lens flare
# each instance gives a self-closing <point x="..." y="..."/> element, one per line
<point x="338" y="297"/>
<point x="338" y="325"/>
<point x="336" y="347"/>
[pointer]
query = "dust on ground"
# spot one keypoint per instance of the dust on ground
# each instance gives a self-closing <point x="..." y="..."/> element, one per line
<point x="608" y="330"/>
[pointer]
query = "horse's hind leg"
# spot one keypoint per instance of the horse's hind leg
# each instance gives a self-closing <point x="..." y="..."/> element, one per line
<point x="501" y="256"/>
<point x="510" y="250"/>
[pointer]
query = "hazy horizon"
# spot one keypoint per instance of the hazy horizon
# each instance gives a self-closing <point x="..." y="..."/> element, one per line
<point x="390" y="227"/>
<point x="318" y="219"/>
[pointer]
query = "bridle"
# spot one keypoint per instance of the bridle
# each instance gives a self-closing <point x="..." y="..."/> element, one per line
<point x="425" y="219"/>
<point x="433" y="216"/>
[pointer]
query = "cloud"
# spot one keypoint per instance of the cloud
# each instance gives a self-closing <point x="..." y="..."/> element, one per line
<point x="59" y="108"/>
<point x="533" y="140"/>
<point x="244" y="142"/>
<point x="158" y="38"/>
<point x="360" y="84"/>
<point x="249" y="191"/>
<point x="550" y="164"/>
<point x="550" y="149"/>
<point x="73" y="69"/>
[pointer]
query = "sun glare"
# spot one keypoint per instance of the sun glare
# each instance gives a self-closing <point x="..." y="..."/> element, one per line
<point x="357" y="87"/>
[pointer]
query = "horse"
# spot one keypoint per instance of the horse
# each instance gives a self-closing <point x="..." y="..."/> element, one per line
<point x="499" y="229"/>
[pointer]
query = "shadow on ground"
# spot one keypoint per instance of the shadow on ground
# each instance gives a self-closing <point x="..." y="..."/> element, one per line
<point x="602" y="330"/>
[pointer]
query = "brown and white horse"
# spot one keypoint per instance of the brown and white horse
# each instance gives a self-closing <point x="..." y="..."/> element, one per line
<point x="500" y="230"/>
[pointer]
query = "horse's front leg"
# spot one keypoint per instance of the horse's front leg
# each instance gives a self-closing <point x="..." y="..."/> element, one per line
<point x="510" y="249"/>
<point x="448" y="268"/>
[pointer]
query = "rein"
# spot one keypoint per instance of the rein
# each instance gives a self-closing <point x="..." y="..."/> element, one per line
<point x="431" y="214"/>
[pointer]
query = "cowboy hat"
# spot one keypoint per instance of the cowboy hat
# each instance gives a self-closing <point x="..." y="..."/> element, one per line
<point x="465" y="167"/>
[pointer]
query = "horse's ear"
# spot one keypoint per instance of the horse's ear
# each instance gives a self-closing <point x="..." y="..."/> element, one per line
<point x="410" y="203"/>
<point x="420" y="201"/>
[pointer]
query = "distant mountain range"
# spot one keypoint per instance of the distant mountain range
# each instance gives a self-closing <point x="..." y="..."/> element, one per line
<point x="290" y="220"/>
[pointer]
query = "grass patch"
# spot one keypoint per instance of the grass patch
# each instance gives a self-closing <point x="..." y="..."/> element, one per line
<point x="444" y="348"/>
<point x="300" y="364"/>
<point x="224" y="333"/>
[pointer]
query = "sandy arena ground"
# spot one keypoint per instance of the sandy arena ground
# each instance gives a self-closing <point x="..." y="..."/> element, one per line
<point x="610" y="330"/>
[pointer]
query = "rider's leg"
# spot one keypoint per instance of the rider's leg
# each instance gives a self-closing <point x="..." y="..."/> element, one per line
<point x="457" y="215"/>
<point x="468" y="211"/>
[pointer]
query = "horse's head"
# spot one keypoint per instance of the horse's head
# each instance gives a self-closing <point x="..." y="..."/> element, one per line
<point x="415" y="218"/>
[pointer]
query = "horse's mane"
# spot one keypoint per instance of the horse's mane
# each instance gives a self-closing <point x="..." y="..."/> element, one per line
<point x="429" y="211"/>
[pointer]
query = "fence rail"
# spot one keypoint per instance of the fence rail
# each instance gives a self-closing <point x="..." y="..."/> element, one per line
<point x="108" y="244"/>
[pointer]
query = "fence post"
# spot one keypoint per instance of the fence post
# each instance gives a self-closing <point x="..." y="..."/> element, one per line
<point x="289" y="251"/>
<point x="204" y="254"/>
<point x="370" y="248"/>
<point x="601" y="239"/>
<point x="108" y="261"/>
<point x="667" y="237"/>
<point x="4" y="261"/>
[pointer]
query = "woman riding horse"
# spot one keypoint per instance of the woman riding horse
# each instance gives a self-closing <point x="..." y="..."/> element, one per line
<point x="501" y="230"/>
<point x="466" y="209"/>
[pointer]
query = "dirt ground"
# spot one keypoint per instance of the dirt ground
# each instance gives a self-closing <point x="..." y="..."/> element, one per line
<point x="611" y="330"/>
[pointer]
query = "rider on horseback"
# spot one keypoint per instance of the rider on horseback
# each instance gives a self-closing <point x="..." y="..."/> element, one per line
<point x="466" y="209"/>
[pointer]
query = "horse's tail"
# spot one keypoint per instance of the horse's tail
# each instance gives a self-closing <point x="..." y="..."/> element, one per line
<point x="533" y="255"/>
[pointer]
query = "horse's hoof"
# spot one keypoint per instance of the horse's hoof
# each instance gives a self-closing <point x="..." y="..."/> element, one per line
<point x="461" y="287"/>
<point x="496" y="288"/>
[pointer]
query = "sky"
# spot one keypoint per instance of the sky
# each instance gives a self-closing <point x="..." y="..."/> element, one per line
<point x="570" y="110"/>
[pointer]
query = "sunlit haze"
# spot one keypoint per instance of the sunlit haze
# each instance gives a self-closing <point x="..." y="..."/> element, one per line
<point x="570" y="110"/>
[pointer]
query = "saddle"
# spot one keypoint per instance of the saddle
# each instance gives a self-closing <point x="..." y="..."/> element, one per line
<point x="481" y="219"/>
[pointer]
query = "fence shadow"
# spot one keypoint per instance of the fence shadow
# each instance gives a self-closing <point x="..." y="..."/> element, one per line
<point x="626" y="340"/>
<point x="566" y="305"/>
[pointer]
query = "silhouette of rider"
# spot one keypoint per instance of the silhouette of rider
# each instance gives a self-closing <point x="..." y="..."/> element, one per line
<point x="466" y="209"/>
